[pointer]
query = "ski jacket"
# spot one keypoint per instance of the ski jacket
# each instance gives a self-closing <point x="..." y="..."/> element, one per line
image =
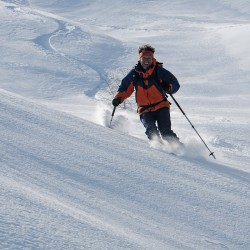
<point x="150" y="86"/>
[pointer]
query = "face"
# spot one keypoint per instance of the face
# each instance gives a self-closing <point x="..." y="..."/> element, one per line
<point x="146" y="61"/>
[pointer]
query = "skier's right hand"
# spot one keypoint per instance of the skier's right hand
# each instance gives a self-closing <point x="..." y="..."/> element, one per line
<point x="116" y="102"/>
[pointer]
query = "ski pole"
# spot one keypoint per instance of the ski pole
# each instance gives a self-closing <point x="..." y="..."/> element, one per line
<point x="211" y="153"/>
<point x="112" y="115"/>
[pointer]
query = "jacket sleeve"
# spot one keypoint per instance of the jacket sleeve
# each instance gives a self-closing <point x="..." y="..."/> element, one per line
<point x="166" y="77"/>
<point x="126" y="87"/>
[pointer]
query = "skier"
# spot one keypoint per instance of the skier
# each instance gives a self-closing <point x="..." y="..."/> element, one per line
<point x="151" y="82"/>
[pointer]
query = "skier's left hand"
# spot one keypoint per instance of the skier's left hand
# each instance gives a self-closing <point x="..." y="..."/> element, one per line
<point x="168" y="87"/>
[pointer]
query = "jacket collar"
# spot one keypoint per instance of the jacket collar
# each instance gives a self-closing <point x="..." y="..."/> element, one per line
<point x="145" y="74"/>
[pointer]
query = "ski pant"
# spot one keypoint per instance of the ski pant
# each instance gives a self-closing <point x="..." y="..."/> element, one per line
<point x="163" y="127"/>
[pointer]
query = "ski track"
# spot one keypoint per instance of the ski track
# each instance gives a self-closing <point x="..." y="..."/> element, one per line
<point x="66" y="28"/>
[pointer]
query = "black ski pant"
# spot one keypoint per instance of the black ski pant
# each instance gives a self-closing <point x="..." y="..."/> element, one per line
<point x="161" y="117"/>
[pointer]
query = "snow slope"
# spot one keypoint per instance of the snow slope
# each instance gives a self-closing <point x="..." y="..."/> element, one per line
<point x="70" y="182"/>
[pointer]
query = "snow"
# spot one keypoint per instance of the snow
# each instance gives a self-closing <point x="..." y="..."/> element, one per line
<point x="68" y="181"/>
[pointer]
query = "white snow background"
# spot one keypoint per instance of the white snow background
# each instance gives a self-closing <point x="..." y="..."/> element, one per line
<point x="68" y="181"/>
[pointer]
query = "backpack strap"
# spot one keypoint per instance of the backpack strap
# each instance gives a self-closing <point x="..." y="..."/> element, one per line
<point x="143" y="108"/>
<point x="154" y="74"/>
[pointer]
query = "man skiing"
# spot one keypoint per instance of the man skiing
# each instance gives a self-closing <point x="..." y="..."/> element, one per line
<point x="151" y="82"/>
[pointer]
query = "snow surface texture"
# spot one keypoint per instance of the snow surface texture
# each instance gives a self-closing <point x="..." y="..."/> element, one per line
<point x="68" y="181"/>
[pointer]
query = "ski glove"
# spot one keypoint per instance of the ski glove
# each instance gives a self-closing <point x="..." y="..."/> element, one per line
<point x="116" y="102"/>
<point x="168" y="87"/>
